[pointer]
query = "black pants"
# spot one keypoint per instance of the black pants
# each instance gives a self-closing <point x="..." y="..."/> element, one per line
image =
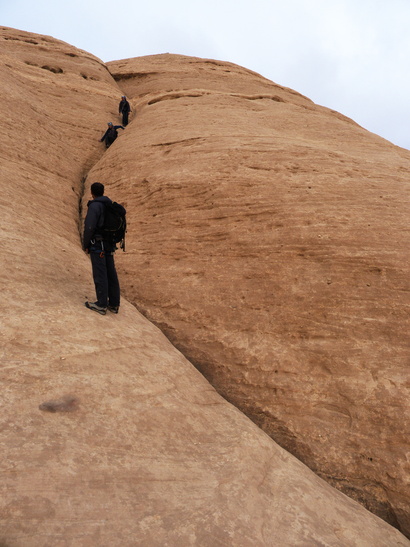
<point x="108" y="142"/>
<point x="125" y="118"/>
<point x="107" y="287"/>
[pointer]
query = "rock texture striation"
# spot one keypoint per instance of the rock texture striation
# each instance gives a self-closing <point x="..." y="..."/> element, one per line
<point x="108" y="435"/>
<point x="269" y="240"/>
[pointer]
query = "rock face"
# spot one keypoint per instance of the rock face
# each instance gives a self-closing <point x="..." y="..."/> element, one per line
<point x="109" y="436"/>
<point x="269" y="240"/>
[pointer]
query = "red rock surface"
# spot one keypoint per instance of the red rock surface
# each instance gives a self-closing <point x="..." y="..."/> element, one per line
<point x="108" y="435"/>
<point x="269" y="240"/>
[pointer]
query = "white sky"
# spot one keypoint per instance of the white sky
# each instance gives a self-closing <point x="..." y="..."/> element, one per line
<point x="349" y="55"/>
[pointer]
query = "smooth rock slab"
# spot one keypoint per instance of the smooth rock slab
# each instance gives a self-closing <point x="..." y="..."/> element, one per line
<point x="269" y="240"/>
<point x="108" y="435"/>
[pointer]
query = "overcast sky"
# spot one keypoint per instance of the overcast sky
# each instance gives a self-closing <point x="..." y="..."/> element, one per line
<point x="349" y="55"/>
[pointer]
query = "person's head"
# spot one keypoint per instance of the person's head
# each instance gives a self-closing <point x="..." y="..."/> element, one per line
<point x="109" y="124"/>
<point x="97" y="189"/>
<point x="123" y="97"/>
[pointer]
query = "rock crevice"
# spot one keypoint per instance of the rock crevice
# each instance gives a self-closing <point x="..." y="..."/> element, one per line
<point x="109" y="436"/>
<point x="289" y="232"/>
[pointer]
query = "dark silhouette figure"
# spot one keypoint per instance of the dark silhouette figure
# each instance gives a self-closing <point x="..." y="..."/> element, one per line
<point x="111" y="134"/>
<point x="124" y="109"/>
<point x="101" y="252"/>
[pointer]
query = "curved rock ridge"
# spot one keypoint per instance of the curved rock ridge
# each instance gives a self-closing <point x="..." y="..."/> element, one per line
<point x="108" y="435"/>
<point x="269" y="240"/>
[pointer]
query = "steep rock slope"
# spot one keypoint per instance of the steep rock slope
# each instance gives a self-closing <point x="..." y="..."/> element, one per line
<point x="140" y="449"/>
<point x="269" y="240"/>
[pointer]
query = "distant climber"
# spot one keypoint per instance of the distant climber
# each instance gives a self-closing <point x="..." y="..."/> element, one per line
<point x="124" y="109"/>
<point x="101" y="251"/>
<point x="111" y="134"/>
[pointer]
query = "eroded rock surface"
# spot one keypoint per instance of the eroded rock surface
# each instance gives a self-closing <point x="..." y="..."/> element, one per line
<point x="269" y="240"/>
<point x="136" y="448"/>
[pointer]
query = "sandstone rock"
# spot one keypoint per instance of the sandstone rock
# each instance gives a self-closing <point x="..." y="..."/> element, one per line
<point x="269" y="240"/>
<point x="152" y="455"/>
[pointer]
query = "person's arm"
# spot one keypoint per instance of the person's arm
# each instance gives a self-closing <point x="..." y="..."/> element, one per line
<point x="90" y="223"/>
<point x="103" y="137"/>
<point x="119" y="127"/>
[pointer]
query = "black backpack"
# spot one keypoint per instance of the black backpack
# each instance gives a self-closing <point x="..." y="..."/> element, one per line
<point x="115" y="224"/>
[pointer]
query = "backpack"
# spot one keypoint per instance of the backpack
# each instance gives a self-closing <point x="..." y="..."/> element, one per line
<point x="115" y="224"/>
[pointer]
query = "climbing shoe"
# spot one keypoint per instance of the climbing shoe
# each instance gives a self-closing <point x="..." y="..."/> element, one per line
<point x="113" y="309"/>
<point x="95" y="307"/>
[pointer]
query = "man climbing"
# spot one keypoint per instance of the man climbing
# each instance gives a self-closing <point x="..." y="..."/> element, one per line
<point x="101" y="252"/>
<point x="111" y="134"/>
<point x="124" y="109"/>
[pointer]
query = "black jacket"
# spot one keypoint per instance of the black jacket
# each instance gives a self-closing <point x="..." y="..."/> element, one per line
<point x="111" y="134"/>
<point x="124" y="106"/>
<point x="94" y="221"/>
